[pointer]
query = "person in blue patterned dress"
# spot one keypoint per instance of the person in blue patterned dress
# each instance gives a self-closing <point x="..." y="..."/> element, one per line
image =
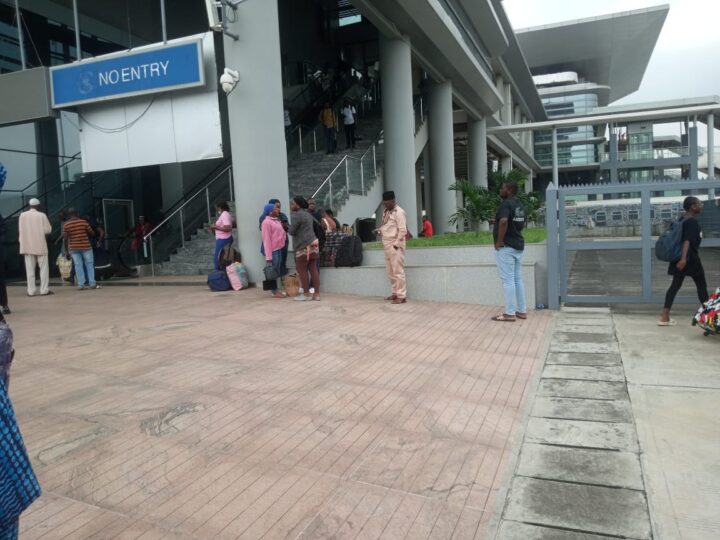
<point x="18" y="485"/>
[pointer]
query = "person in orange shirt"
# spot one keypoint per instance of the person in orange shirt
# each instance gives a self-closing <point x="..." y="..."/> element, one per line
<point x="427" y="228"/>
<point x="393" y="232"/>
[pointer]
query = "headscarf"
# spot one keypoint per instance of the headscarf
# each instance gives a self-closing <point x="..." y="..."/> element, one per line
<point x="267" y="209"/>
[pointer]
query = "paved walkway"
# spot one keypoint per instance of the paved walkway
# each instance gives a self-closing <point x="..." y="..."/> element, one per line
<point x="622" y="439"/>
<point x="172" y="412"/>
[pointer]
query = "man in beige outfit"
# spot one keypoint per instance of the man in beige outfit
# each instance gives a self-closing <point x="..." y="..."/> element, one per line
<point x="393" y="231"/>
<point x="34" y="227"/>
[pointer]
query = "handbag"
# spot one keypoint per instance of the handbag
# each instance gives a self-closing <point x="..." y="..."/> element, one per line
<point x="270" y="272"/>
<point x="292" y="285"/>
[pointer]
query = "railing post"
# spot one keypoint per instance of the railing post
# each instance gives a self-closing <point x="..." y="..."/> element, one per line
<point x="182" y="226"/>
<point x="300" y="137"/>
<point x="374" y="163"/>
<point x="314" y="139"/>
<point x="232" y="186"/>
<point x="553" y="251"/>
<point x="347" y="175"/>
<point x="207" y="201"/>
<point x="362" y="178"/>
<point x="331" y="196"/>
<point x="646" y="251"/>
<point x="152" y="258"/>
<point x="422" y="114"/>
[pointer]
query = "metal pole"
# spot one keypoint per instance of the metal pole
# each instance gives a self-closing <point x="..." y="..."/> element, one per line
<point x="711" y="145"/>
<point x="315" y="140"/>
<point x="555" y="174"/>
<point x="232" y="185"/>
<point x="23" y="63"/>
<point x="207" y="200"/>
<point x="152" y="258"/>
<point x="551" y="223"/>
<point x="230" y="193"/>
<point x="182" y="226"/>
<point x="347" y="175"/>
<point x="300" y="137"/>
<point x="77" y="31"/>
<point x="646" y="235"/>
<point x="164" y="21"/>
<point x="374" y="163"/>
<point x="331" y="197"/>
<point x="362" y="179"/>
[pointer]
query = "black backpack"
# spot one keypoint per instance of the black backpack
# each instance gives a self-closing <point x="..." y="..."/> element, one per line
<point x="350" y="252"/>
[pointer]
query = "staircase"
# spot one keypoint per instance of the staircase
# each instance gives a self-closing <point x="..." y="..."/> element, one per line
<point x="307" y="171"/>
<point x="196" y="257"/>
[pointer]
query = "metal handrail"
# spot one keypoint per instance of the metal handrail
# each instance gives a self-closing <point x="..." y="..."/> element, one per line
<point x="180" y="208"/>
<point x="348" y="157"/>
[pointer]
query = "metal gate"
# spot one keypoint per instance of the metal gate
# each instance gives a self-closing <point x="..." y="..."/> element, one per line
<point x="601" y="240"/>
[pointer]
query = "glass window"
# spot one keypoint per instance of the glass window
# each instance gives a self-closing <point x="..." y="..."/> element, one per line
<point x="617" y="215"/>
<point x="633" y="215"/>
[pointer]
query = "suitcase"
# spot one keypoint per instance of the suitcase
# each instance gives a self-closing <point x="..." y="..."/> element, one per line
<point x="708" y="316"/>
<point x="350" y="252"/>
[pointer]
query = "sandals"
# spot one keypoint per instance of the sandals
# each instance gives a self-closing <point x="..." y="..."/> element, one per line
<point x="503" y="318"/>
<point x="521" y="315"/>
<point x="390" y="298"/>
<point x="398" y="300"/>
<point x="671" y="322"/>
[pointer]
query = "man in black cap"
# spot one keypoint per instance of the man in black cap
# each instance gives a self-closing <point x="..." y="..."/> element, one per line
<point x="393" y="232"/>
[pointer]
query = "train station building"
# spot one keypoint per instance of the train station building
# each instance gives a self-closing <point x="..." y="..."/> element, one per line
<point x="119" y="109"/>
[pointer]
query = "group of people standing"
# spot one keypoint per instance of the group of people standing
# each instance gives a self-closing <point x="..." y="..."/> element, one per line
<point x="329" y="120"/>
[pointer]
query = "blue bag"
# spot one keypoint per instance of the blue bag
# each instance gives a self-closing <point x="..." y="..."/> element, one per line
<point x="668" y="247"/>
<point x="218" y="281"/>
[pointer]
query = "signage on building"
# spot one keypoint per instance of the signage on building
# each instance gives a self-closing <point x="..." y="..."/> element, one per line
<point x="147" y="70"/>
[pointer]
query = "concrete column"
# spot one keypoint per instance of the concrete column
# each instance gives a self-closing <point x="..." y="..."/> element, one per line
<point x="506" y="164"/>
<point x="507" y="116"/>
<point x="530" y="184"/>
<point x="711" y="145"/>
<point x="614" y="158"/>
<point x="477" y="152"/>
<point x="426" y="160"/>
<point x="694" y="154"/>
<point x="255" y="112"/>
<point x="399" y="125"/>
<point x="442" y="149"/>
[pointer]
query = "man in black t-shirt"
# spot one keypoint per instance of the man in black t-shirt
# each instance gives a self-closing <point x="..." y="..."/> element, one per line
<point x="689" y="263"/>
<point x="509" y="249"/>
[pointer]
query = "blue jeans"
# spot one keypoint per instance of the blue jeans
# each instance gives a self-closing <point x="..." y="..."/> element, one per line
<point x="84" y="266"/>
<point x="509" y="264"/>
<point x="219" y="244"/>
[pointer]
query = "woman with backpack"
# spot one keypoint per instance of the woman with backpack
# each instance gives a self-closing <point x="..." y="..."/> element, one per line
<point x="689" y="264"/>
<point x="307" y="247"/>
<point x="273" y="239"/>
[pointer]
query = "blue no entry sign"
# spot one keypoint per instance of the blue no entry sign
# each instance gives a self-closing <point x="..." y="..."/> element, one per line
<point x="131" y="73"/>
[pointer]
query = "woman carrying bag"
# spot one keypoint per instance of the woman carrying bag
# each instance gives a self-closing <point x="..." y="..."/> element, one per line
<point x="273" y="239"/>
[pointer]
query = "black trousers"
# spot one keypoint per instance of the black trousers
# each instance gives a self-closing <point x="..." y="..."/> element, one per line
<point x="350" y="135"/>
<point x="677" y="282"/>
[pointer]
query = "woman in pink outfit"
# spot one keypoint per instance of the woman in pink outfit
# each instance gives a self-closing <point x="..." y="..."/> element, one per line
<point x="223" y="230"/>
<point x="273" y="238"/>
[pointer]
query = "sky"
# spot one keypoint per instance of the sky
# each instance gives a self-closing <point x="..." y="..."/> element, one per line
<point x="685" y="60"/>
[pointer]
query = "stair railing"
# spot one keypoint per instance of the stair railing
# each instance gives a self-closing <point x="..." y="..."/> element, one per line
<point x="196" y="210"/>
<point x="349" y="176"/>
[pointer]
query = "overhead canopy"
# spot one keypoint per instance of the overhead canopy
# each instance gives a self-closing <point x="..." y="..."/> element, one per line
<point x="611" y="50"/>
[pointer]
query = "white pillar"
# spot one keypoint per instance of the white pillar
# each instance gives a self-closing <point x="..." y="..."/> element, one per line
<point x="507" y="117"/>
<point x="399" y="125"/>
<point x="506" y="164"/>
<point x="477" y="152"/>
<point x="255" y="113"/>
<point x="442" y="150"/>
<point x="711" y="145"/>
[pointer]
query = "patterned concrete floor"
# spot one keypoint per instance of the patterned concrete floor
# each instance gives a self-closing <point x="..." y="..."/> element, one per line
<point x="173" y="412"/>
